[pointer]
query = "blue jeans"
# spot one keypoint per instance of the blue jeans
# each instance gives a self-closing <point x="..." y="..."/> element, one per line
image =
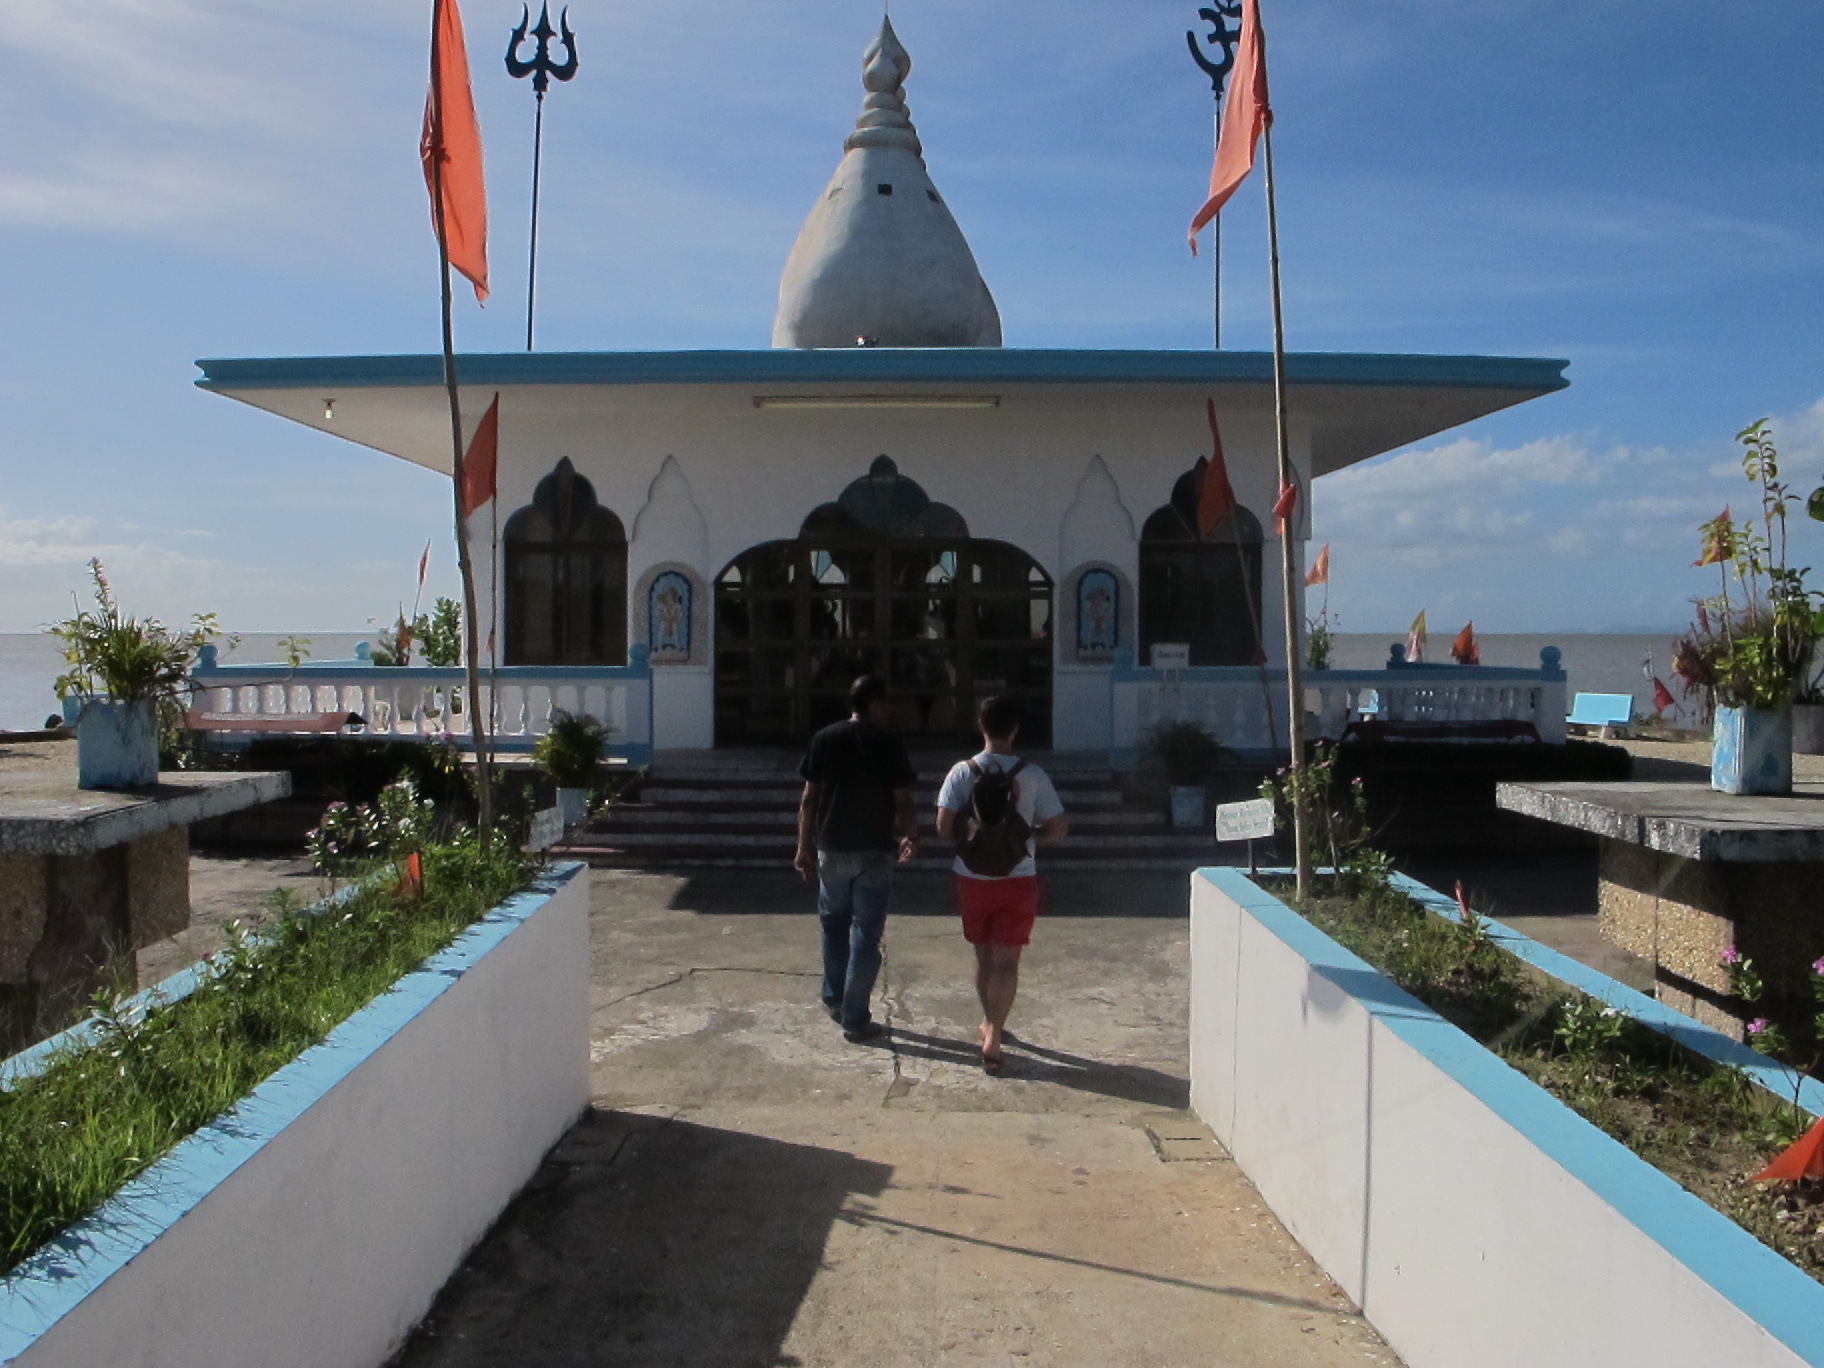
<point x="852" y="889"/>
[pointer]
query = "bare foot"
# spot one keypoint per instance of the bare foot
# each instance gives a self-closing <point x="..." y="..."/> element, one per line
<point x="991" y="1047"/>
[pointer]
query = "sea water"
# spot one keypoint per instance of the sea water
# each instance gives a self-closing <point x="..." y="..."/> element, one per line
<point x="30" y="661"/>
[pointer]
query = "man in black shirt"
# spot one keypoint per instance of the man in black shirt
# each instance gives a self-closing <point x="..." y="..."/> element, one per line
<point x="857" y="786"/>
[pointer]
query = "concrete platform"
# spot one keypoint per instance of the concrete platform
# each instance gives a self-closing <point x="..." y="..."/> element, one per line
<point x="750" y="1189"/>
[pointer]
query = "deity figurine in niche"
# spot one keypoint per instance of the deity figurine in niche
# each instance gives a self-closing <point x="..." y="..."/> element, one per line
<point x="669" y="616"/>
<point x="1098" y="613"/>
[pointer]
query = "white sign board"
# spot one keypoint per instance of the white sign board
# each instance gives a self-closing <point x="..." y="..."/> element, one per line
<point x="547" y="829"/>
<point x="1171" y="655"/>
<point x="1250" y="821"/>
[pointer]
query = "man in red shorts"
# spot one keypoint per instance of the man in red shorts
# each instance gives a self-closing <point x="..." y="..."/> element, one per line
<point x="998" y="909"/>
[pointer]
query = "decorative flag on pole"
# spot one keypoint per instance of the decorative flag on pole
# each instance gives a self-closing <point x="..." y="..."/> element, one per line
<point x="451" y="151"/>
<point x="424" y="563"/>
<point x="1415" y="639"/>
<point x="1803" y="1159"/>
<point x="1465" y="650"/>
<point x="1662" y="696"/>
<point x="1244" y="114"/>
<point x="481" y="461"/>
<point x="1285" y="503"/>
<point x="1215" y="496"/>
<point x="1719" y="545"/>
<point x="1319" y="573"/>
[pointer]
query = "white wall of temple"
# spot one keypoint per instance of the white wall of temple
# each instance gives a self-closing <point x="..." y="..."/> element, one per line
<point x="1067" y="473"/>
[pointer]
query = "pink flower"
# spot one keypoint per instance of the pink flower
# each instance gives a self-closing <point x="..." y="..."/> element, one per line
<point x="1817" y="966"/>
<point x="1758" y="1025"/>
<point x="1733" y="956"/>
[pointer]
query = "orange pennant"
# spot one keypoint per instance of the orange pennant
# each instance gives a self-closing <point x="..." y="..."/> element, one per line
<point x="411" y="877"/>
<point x="1215" y="495"/>
<point x="1319" y="573"/>
<point x="451" y="151"/>
<point x="1245" y="112"/>
<point x="481" y="462"/>
<point x="1802" y="1159"/>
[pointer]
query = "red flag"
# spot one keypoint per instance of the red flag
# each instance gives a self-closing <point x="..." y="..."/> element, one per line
<point x="1802" y="1159"/>
<point x="1245" y="113"/>
<point x="483" y="458"/>
<point x="451" y="151"/>
<point x="1285" y="503"/>
<point x="1464" y="650"/>
<point x="1662" y="696"/>
<point x="1216" y="496"/>
<point x="1319" y="573"/>
<point x="411" y="878"/>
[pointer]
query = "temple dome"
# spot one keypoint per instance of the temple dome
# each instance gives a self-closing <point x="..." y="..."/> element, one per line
<point x="880" y="261"/>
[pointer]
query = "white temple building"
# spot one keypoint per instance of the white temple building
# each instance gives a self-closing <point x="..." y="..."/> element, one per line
<point x="887" y="488"/>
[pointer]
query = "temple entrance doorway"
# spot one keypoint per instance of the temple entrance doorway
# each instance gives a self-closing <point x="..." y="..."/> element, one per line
<point x="882" y="581"/>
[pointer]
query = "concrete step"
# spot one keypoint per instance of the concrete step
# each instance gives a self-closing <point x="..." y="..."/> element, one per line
<point x="783" y="838"/>
<point x="736" y="814"/>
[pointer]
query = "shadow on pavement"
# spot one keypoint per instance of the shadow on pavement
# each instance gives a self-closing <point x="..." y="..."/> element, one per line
<point x="926" y="893"/>
<point x="646" y="1241"/>
<point x="1036" y="1064"/>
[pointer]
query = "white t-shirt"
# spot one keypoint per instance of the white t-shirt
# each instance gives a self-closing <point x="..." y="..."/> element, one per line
<point x="1034" y="796"/>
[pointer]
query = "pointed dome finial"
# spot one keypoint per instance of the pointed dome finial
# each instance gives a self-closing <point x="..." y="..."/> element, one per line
<point x="880" y="261"/>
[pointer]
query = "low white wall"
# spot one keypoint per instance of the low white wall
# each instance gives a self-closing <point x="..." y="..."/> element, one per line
<point x="357" y="1177"/>
<point x="1474" y="1219"/>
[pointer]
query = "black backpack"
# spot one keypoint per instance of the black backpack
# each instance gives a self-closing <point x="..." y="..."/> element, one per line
<point x="993" y="837"/>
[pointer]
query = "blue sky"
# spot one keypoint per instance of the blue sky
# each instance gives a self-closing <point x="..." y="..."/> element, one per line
<point x="1636" y="187"/>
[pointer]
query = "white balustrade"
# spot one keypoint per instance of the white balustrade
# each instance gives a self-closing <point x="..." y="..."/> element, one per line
<point x="1245" y="707"/>
<point x="428" y="701"/>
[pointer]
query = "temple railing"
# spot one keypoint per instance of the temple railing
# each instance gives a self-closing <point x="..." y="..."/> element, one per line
<point x="425" y="701"/>
<point x="1244" y="707"/>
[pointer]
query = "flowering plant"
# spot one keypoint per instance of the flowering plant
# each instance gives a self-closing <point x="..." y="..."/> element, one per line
<point x="1752" y="643"/>
<point x="126" y="659"/>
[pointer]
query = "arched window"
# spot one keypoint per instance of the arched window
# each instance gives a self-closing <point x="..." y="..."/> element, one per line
<point x="566" y="577"/>
<point x="1205" y="592"/>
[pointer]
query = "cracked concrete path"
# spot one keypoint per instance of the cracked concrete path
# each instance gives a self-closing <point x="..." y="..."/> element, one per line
<point x="750" y="1189"/>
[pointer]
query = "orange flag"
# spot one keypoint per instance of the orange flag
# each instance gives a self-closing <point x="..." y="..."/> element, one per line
<point x="1245" y="113"/>
<point x="1319" y="573"/>
<point x="483" y="458"/>
<point x="1465" y="650"/>
<point x="451" y="151"/>
<point x="424" y="563"/>
<point x="1216" y="496"/>
<point x="411" y="878"/>
<point x="1803" y="1159"/>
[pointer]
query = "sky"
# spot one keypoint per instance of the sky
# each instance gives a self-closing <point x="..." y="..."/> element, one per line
<point x="1635" y="187"/>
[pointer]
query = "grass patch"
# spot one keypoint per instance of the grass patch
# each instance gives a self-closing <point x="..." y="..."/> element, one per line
<point x="1705" y="1125"/>
<point x="73" y="1135"/>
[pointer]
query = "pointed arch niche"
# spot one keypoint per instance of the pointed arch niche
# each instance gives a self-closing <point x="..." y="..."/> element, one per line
<point x="1205" y="592"/>
<point x="565" y="571"/>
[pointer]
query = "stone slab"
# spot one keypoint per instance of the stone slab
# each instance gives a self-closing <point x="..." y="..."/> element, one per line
<point x="1689" y="820"/>
<point x="42" y="812"/>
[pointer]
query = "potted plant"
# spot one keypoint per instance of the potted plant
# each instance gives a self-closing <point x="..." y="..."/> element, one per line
<point x="122" y="669"/>
<point x="1753" y="641"/>
<point x="1187" y="754"/>
<point x="569" y="754"/>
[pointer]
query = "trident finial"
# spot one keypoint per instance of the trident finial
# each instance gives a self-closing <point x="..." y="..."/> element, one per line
<point x="541" y="68"/>
<point x="1220" y="35"/>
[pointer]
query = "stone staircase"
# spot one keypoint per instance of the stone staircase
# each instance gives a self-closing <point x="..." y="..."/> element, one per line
<point x="739" y="809"/>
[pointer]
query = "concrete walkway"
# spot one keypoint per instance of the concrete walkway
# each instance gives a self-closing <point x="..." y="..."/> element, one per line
<point x="749" y="1189"/>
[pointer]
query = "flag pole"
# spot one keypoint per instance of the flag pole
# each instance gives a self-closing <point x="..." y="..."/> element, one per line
<point x="477" y="724"/>
<point x="1295" y="685"/>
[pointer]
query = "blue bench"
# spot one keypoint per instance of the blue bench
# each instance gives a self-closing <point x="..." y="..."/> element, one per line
<point x="1601" y="711"/>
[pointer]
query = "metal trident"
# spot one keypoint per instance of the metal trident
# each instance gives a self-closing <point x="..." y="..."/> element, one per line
<point x="541" y="69"/>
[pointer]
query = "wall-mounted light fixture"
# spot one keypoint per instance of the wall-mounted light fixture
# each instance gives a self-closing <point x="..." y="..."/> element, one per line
<point x="866" y="401"/>
<point x="329" y="410"/>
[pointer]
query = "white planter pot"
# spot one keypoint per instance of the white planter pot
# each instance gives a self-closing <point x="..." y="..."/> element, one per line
<point x="1473" y="1217"/>
<point x="1751" y="751"/>
<point x="117" y="745"/>
<point x="315" y="1222"/>
<point x="1187" y="805"/>
<point x="574" y="804"/>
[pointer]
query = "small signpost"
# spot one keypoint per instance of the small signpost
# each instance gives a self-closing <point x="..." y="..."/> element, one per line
<point x="1249" y="821"/>
<point x="547" y="829"/>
